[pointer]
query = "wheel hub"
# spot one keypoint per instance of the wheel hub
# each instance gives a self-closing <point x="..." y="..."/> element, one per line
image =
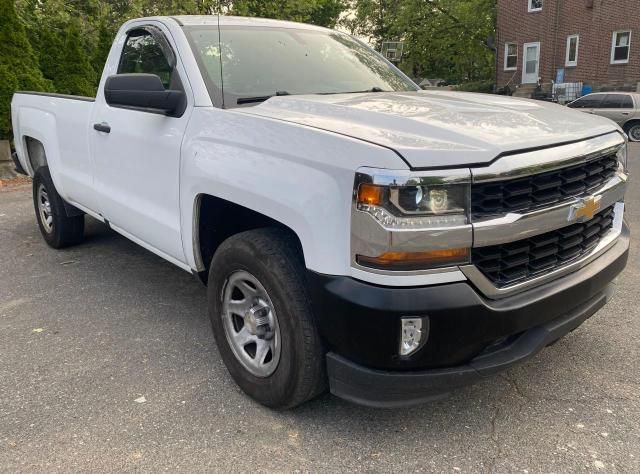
<point x="257" y="321"/>
<point x="251" y="324"/>
<point x="44" y="208"/>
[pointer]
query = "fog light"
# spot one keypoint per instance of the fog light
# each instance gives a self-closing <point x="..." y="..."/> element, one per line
<point x="414" y="332"/>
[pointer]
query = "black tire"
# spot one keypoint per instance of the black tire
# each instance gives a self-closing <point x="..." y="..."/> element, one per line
<point x="273" y="257"/>
<point x="633" y="131"/>
<point x="61" y="231"/>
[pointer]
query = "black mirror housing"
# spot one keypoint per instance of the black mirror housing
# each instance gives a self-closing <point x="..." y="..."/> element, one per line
<point x="144" y="92"/>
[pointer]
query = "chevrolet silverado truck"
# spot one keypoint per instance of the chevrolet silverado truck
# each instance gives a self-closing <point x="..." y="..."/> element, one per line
<point x="354" y="233"/>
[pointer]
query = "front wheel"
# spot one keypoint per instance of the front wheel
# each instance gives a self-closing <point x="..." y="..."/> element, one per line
<point x="57" y="229"/>
<point x="633" y="131"/>
<point x="262" y="319"/>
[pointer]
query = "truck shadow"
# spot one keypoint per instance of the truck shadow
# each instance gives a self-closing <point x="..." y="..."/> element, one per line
<point x="552" y="375"/>
<point x="165" y="308"/>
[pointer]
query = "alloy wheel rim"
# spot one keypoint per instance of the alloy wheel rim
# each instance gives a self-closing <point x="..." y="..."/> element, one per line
<point x="44" y="208"/>
<point x="251" y="324"/>
<point x="634" y="133"/>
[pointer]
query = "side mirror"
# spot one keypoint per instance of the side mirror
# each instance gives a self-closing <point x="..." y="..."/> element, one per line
<point x="144" y="92"/>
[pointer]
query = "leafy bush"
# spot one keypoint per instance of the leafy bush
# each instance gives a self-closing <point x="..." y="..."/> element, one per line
<point x="486" y="87"/>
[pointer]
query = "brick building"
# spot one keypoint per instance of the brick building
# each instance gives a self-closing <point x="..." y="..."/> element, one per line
<point x="594" y="42"/>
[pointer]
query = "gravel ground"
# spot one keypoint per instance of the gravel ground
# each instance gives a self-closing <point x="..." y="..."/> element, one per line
<point x="107" y="363"/>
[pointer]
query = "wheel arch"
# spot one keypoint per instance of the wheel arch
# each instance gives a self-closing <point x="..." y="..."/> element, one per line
<point x="36" y="155"/>
<point x="627" y="126"/>
<point x="216" y="219"/>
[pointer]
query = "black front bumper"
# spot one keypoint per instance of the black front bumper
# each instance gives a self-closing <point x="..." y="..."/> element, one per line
<point x="470" y="336"/>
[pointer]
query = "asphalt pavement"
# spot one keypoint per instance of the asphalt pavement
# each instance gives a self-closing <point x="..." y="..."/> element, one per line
<point x="107" y="364"/>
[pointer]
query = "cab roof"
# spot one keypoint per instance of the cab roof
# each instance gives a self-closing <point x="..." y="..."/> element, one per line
<point x="212" y="20"/>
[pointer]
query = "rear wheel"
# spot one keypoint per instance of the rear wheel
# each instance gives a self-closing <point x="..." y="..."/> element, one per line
<point x="262" y="319"/>
<point x="633" y="131"/>
<point x="57" y="229"/>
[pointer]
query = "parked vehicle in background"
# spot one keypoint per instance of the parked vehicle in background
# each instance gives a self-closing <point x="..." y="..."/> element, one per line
<point x="353" y="231"/>
<point x="621" y="107"/>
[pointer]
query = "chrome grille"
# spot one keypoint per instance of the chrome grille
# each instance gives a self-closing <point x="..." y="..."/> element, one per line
<point x="539" y="190"/>
<point x="510" y="263"/>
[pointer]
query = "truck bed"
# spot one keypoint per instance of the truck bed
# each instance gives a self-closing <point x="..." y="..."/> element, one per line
<point x="62" y="123"/>
<point x="58" y="96"/>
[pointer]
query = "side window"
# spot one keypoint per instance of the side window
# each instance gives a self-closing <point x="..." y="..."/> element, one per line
<point x="612" y="101"/>
<point x="143" y="54"/>
<point x="587" y="102"/>
<point x="627" y="102"/>
<point x="594" y="102"/>
<point x="576" y="104"/>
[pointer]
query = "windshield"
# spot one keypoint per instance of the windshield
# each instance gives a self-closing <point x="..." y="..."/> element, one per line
<point x="251" y="64"/>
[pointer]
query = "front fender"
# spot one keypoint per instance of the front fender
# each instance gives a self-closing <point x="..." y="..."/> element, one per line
<point x="298" y="176"/>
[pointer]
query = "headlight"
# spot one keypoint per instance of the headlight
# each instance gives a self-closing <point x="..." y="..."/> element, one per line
<point x="415" y="206"/>
<point x="422" y="220"/>
<point x="622" y="156"/>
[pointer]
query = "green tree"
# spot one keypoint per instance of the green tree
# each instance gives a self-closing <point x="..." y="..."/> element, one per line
<point x="74" y="74"/>
<point x="374" y="19"/>
<point x="455" y="44"/>
<point x="65" y="38"/>
<point x="103" y="46"/>
<point x="318" y="12"/>
<point x="18" y="64"/>
<point x="137" y="8"/>
<point x="442" y="38"/>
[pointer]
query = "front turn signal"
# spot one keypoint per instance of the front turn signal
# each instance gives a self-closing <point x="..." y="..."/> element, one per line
<point x="371" y="195"/>
<point x="408" y="261"/>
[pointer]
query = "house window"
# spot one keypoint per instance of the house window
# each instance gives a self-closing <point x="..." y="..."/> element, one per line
<point x="510" y="56"/>
<point x="535" y="5"/>
<point x="573" y="43"/>
<point x="620" y="47"/>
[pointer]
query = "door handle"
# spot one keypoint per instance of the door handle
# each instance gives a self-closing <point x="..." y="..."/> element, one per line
<point x="102" y="127"/>
<point x="626" y="113"/>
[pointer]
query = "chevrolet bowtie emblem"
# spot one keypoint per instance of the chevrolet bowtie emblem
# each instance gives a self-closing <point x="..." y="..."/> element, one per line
<point x="585" y="210"/>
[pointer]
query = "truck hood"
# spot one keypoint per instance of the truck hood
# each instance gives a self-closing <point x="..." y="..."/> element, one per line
<point x="434" y="129"/>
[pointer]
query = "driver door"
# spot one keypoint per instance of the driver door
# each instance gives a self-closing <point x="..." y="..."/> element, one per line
<point x="137" y="151"/>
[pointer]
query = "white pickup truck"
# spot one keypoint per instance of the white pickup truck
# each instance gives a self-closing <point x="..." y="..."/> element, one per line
<point x="354" y="232"/>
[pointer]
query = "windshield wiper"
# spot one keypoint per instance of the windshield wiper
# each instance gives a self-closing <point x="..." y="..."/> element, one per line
<point x="254" y="100"/>
<point x="373" y="89"/>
